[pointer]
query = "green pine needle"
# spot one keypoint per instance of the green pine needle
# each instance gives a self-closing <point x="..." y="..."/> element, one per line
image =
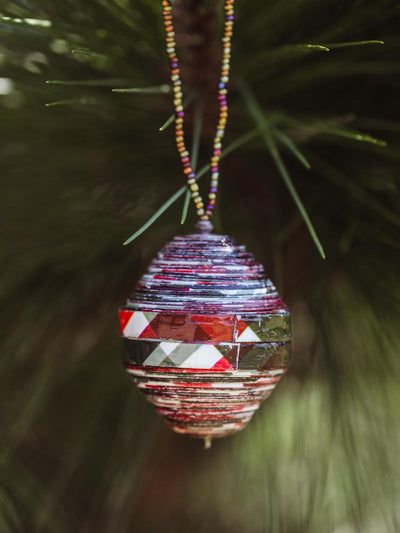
<point x="354" y="190"/>
<point x="191" y="97"/>
<point x="28" y="21"/>
<point x="86" y="52"/>
<point x="287" y="141"/>
<point x="252" y="134"/>
<point x="198" y="120"/>
<point x="82" y="101"/>
<point x="326" y="127"/>
<point x="333" y="127"/>
<point x="289" y="184"/>
<point x="354" y="43"/>
<point x="197" y="124"/>
<point x="319" y="47"/>
<point x="163" y="89"/>
<point x="87" y="83"/>
<point x="362" y="137"/>
<point x="157" y="214"/>
<point x="287" y="231"/>
<point x="185" y="208"/>
<point x="230" y="148"/>
<point x="167" y="123"/>
<point x="257" y="114"/>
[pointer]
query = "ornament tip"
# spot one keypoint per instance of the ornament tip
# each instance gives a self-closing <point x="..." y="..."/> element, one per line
<point x="207" y="443"/>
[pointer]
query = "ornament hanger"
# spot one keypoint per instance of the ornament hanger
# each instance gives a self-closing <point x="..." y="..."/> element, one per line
<point x="203" y="212"/>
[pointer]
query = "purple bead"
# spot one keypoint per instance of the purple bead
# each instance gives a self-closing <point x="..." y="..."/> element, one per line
<point x="174" y="64"/>
<point x="213" y="189"/>
<point x="180" y="114"/>
<point x="214" y="169"/>
<point x="192" y="175"/>
<point x="209" y="207"/>
<point x="230" y="17"/>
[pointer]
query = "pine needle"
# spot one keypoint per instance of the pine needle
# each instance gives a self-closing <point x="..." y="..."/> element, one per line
<point x="167" y="123"/>
<point x="198" y="120"/>
<point x="288" y="230"/>
<point x="320" y="47"/>
<point x="197" y="124"/>
<point x="257" y="114"/>
<point x="348" y="133"/>
<point x="28" y="21"/>
<point x="289" y="184"/>
<point x="87" y="83"/>
<point x="192" y="96"/>
<point x="354" y="190"/>
<point x="252" y="134"/>
<point x="157" y="214"/>
<point x="86" y="52"/>
<point x="354" y="43"/>
<point x="331" y="127"/>
<point x="287" y="141"/>
<point x="83" y="101"/>
<point x="163" y="89"/>
<point x="233" y="146"/>
<point x="185" y="208"/>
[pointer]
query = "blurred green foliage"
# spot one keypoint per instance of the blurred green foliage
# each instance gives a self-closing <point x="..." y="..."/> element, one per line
<point x="80" y="450"/>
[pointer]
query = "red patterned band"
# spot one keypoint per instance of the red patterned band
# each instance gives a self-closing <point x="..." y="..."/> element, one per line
<point x="204" y="327"/>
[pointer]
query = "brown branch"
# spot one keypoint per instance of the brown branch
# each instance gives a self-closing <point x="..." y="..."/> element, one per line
<point x="197" y="31"/>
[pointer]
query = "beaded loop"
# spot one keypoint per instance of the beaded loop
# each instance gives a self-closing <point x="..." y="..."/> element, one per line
<point x="202" y="212"/>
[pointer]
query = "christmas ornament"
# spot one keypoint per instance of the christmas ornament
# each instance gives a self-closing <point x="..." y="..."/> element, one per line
<point x="207" y="335"/>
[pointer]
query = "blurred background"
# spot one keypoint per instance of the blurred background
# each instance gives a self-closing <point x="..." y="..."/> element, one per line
<point x="80" y="449"/>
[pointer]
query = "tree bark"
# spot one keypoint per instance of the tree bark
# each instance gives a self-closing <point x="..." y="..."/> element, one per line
<point x="197" y="31"/>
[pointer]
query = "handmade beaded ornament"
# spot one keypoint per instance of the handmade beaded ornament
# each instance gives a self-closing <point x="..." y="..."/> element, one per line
<point x="207" y="335"/>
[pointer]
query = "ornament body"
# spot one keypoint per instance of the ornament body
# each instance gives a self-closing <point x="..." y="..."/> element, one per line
<point x="207" y="335"/>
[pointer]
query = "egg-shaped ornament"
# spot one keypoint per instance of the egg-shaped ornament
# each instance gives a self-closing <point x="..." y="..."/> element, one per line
<point x="207" y="335"/>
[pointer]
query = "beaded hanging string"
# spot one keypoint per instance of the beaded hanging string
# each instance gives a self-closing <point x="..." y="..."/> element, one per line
<point x="204" y="213"/>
